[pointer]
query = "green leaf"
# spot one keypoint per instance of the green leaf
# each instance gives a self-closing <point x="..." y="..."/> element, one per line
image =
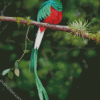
<point x="16" y="65"/>
<point x="67" y="83"/>
<point x="5" y="72"/>
<point x="79" y="70"/>
<point x="75" y="53"/>
<point x="90" y="53"/>
<point x="10" y="75"/>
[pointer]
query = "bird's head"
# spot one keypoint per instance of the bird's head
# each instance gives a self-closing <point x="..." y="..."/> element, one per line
<point x="57" y="4"/>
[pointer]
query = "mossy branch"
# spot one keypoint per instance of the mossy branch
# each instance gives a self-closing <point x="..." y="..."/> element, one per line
<point x="78" y="32"/>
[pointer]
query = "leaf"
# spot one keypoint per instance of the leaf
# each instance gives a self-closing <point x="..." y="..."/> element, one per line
<point x="16" y="72"/>
<point x="16" y="65"/>
<point x="5" y="72"/>
<point x="79" y="70"/>
<point x="10" y="75"/>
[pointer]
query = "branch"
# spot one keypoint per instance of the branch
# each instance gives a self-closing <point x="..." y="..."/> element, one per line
<point x="21" y="20"/>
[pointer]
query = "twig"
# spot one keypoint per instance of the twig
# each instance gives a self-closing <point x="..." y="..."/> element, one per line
<point x="3" y="28"/>
<point x="25" y="44"/>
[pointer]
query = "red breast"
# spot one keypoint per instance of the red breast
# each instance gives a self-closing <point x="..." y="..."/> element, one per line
<point x="54" y="18"/>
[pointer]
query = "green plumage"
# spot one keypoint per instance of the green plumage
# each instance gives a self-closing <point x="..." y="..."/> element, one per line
<point x="33" y="63"/>
<point x="43" y="12"/>
<point x="45" y="8"/>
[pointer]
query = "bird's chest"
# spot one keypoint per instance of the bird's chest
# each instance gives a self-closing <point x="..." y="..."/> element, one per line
<point x="55" y="17"/>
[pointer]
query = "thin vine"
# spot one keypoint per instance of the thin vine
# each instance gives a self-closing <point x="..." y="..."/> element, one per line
<point x="26" y="38"/>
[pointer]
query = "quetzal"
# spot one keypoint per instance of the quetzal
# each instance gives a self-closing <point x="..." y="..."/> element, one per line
<point x="50" y="12"/>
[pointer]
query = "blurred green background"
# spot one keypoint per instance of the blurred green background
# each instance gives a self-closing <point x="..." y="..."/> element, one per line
<point x="68" y="66"/>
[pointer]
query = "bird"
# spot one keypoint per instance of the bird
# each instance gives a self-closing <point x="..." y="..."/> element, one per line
<point x="50" y="12"/>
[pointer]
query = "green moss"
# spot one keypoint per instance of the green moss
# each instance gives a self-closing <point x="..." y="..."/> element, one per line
<point x="18" y="20"/>
<point x="90" y="35"/>
<point x="97" y="38"/>
<point x="1" y="17"/>
<point x="28" y="22"/>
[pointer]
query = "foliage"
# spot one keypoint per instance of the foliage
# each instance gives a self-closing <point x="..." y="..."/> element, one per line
<point x="60" y="55"/>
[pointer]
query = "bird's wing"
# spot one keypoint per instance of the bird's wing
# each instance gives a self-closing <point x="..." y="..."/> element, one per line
<point x="44" y="11"/>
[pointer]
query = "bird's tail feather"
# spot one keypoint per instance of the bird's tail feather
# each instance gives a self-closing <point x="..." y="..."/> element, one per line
<point x="33" y="63"/>
<point x="39" y="37"/>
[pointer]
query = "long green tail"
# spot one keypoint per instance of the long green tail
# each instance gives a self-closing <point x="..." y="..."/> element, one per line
<point x="33" y="63"/>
